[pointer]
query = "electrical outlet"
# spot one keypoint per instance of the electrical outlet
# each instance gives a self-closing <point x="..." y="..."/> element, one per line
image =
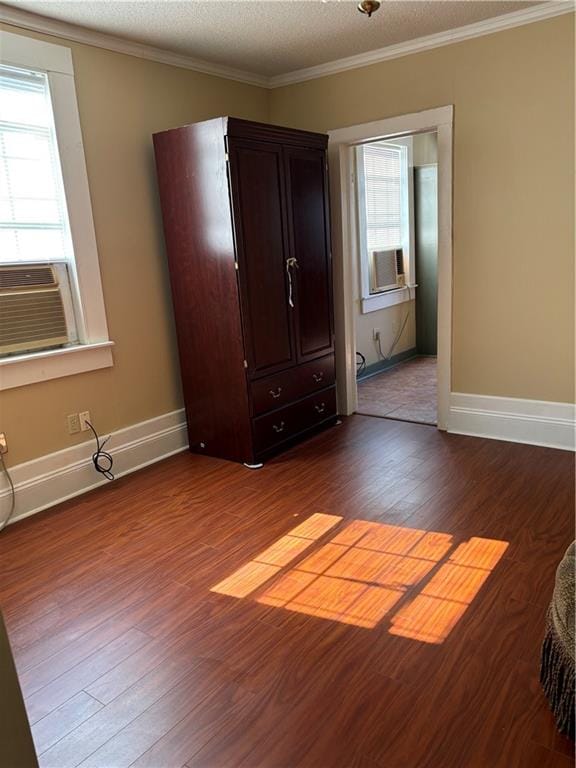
<point x="73" y="423"/>
<point x="376" y="334"/>
<point x="3" y="443"/>
<point x="84" y="417"/>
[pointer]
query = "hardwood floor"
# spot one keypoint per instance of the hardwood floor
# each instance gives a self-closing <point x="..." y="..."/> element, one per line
<point x="132" y="650"/>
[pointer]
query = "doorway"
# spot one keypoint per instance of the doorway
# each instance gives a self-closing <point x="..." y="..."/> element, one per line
<point x="350" y="279"/>
<point x="396" y="210"/>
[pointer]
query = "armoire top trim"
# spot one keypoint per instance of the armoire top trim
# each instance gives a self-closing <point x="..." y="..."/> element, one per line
<point x="45" y="25"/>
<point x="248" y="129"/>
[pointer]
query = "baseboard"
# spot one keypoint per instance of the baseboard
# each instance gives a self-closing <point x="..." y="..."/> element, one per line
<point x="537" y="422"/>
<point x="58" y="476"/>
<point x="48" y="480"/>
<point x="382" y="365"/>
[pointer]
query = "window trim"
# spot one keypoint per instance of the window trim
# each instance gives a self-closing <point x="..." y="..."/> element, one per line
<point x="56" y="61"/>
<point x="19" y="370"/>
<point x="372" y="302"/>
<point x="385" y="299"/>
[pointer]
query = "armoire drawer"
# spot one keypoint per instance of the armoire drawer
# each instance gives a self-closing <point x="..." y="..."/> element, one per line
<point x="285" y="387"/>
<point x="284" y="423"/>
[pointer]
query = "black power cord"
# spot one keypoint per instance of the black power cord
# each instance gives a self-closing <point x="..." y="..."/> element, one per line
<point x="4" y="468"/>
<point x="101" y="459"/>
<point x="360" y="364"/>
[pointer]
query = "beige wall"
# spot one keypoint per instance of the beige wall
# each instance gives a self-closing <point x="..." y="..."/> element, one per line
<point x="122" y="101"/>
<point x="513" y="96"/>
<point x="513" y="213"/>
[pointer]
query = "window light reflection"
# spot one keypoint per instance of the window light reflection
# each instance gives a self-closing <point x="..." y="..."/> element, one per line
<point x="366" y="571"/>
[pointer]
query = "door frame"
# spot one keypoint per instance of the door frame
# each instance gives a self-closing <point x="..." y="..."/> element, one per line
<point x="345" y="243"/>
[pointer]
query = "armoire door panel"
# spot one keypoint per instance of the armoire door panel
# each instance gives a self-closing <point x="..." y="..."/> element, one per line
<point x="261" y="241"/>
<point x="310" y="245"/>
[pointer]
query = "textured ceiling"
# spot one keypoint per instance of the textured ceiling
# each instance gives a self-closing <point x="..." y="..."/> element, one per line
<point x="272" y="37"/>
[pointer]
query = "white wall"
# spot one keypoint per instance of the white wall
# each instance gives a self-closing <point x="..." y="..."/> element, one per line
<point x="388" y="321"/>
<point x="425" y="149"/>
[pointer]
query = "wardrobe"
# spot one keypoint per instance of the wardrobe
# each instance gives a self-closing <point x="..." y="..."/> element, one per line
<point x="246" y="223"/>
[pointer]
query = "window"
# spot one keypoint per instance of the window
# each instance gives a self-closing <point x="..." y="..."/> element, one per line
<point x="36" y="307"/>
<point x="33" y="215"/>
<point x="382" y="171"/>
<point x="385" y="229"/>
<point x="52" y="319"/>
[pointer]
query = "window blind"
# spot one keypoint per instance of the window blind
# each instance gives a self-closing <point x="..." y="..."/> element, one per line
<point x="33" y="216"/>
<point x="382" y="166"/>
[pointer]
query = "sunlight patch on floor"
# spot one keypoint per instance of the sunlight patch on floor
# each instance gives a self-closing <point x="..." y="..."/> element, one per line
<point x="271" y="561"/>
<point x="422" y="580"/>
<point x="443" y="600"/>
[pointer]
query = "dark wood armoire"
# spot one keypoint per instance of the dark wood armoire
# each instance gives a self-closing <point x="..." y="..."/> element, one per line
<point x="245" y="210"/>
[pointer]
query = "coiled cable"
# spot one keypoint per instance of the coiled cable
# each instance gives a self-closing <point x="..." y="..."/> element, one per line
<point x="101" y="459"/>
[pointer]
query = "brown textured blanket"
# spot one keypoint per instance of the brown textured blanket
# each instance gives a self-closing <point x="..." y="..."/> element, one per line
<point x="557" y="663"/>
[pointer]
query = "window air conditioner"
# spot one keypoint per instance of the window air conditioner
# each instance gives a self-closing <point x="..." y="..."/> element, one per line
<point x="32" y="311"/>
<point x="386" y="270"/>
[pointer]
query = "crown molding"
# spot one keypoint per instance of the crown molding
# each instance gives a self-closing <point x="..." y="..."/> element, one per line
<point x="497" y="24"/>
<point x="47" y="26"/>
<point x="77" y="34"/>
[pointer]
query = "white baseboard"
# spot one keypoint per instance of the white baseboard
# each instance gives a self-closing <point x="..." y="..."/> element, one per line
<point x="537" y="422"/>
<point x="46" y="481"/>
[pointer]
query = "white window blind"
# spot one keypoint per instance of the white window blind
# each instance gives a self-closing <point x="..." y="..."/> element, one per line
<point x="33" y="217"/>
<point x="382" y="172"/>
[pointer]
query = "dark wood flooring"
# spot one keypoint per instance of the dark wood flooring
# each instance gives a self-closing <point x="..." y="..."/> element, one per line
<point x="128" y="658"/>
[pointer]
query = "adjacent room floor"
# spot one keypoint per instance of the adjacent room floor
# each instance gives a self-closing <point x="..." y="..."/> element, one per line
<point x="374" y="598"/>
<point x="406" y="392"/>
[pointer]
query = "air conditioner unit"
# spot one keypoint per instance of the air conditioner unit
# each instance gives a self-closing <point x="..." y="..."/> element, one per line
<point x="386" y="270"/>
<point x="32" y="311"/>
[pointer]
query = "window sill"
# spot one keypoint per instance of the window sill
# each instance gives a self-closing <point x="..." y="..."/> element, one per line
<point x="20" y="370"/>
<point x="387" y="299"/>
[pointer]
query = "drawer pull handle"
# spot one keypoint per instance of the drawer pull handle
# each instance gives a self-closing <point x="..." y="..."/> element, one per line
<point x="278" y="427"/>
<point x="275" y="393"/>
<point x="320" y="408"/>
<point x="318" y="376"/>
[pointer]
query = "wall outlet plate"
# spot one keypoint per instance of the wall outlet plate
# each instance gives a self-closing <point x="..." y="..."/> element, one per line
<point x="84" y="416"/>
<point x="73" y="423"/>
<point x="3" y="443"/>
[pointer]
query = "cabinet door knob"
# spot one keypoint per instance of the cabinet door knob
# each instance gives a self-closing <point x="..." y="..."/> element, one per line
<point x="318" y="376"/>
<point x="278" y="427"/>
<point x="320" y="408"/>
<point x="275" y="392"/>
